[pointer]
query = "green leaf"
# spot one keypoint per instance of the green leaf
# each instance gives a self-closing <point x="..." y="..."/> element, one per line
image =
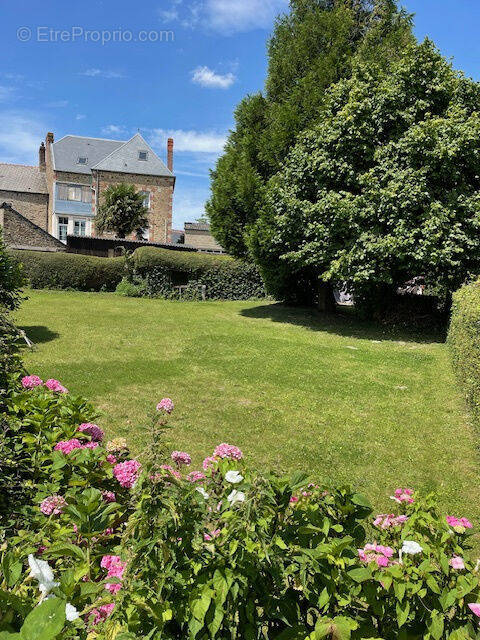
<point x="67" y="549"/>
<point x="45" y="621"/>
<point x="360" y="574"/>
<point x="360" y="500"/>
<point x="436" y="625"/>
<point x="5" y="635"/>
<point x="293" y="633"/>
<point x="402" y="609"/>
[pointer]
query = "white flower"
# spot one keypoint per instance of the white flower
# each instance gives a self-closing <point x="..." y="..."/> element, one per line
<point x="202" y="491"/>
<point x="411" y="547"/>
<point x="233" y="476"/>
<point x="70" y="612"/>
<point x="236" y="496"/>
<point x="41" y="571"/>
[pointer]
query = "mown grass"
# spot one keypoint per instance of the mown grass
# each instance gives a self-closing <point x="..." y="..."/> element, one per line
<point x="294" y="389"/>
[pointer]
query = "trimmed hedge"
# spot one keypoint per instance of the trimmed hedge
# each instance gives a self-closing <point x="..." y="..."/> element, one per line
<point x="464" y="343"/>
<point x="47" y="270"/>
<point x="224" y="277"/>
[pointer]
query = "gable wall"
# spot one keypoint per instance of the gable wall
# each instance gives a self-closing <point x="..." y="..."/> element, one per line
<point x="33" y="206"/>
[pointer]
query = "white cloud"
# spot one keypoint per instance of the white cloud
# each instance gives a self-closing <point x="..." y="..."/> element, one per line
<point x="114" y="129"/>
<point x="5" y="93"/>
<point x="20" y="137"/>
<point x="189" y="205"/>
<point x="80" y="116"/>
<point x="224" y="16"/>
<point x="205" y="77"/>
<point x="57" y="104"/>
<point x="101" y="73"/>
<point x="204" y="142"/>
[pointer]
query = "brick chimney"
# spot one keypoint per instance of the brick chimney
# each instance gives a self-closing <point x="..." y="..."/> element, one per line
<point x="41" y="157"/>
<point x="170" y="154"/>
<point x="49" y="138"/>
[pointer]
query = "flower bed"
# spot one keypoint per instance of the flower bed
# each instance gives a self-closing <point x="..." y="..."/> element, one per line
<point x="102" y="546"/>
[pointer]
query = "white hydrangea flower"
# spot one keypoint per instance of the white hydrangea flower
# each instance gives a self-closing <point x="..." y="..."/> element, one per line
<point x="42" y="571"/>
<point x="411" y="547"/>
<point x="71" y="613"/>
<point x="236" y="496"/>
<point x="233" y="476"/>
<point x="202" y="491"/>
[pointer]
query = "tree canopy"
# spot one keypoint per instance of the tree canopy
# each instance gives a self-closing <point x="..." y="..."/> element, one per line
<point x="122" y="211"/>
<point x="385" y="187"/>
<point x="313" y="46"/>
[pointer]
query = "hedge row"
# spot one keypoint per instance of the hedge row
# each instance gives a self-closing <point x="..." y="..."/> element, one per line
<point x="224" y="277"/>
<point x="464" y="343"/>
<point x="47" y="270"/>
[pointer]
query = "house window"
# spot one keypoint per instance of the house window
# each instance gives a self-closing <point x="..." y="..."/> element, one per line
<point x="146" y="199"/>
<point x="82" y="160"/>
<point x="79" y="227"/>
<point x="74" y="192"/>
<point x="143" y="155"/>
<point x="62" y="228"/>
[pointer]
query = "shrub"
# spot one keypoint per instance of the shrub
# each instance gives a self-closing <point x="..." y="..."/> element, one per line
<point x="11" y="279"/>
<point x="131" y="289"/>
<point x="464" y="342"/>
<point x="48" y="270"/>
<point x="223" y="277"/>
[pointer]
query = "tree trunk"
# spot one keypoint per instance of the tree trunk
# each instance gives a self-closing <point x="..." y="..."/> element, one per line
<point x="326" y="299"/>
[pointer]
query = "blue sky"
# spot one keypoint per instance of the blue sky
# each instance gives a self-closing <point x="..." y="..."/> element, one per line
<point x="196" y="60"/>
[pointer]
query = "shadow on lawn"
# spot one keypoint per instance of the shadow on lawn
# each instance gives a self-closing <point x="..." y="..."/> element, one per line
<point x="343" y="323"/>
<point x="39" y="334"/>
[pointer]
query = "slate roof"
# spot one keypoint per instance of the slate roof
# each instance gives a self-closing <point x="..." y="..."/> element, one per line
<point x="197" y="226"/>
<point x="21" y="177"/>
<point x="107" y="155"/>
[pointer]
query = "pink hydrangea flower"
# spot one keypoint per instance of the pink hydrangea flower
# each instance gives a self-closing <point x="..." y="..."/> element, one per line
<point x="92" y="430"/>
<point x="90" y="445"/>
<point x="196" y="476"/>
<point x="165" y="405"/>
<point x="457" y="563"/>
<point x="294" y="499"/>
<point x="127" y="472"/>
<point x="108" y="496"/>
<point x="53" y="505"/>
<point x="475" y="608"/>
<point x="111" y="459"/>
<point x="66" y="446"/>
<point x="54" y="385"/>
<point x="171" y="471"/>
<point x="209" y="462"/>
<point x="403" y="495"/>
<point x="459" y="522"/>
<point x="115" y="568"/>
<point x="376" y="553"/>
<point x="96" y="616"/>
<point x="225" y="450"/>
<point x="387" y="521"/>
<point x="29" y="382"/>
<point x="212" y="535"/>
<point x="180" y="457"/>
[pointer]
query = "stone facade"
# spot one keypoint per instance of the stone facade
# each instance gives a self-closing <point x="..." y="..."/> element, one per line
<point x="21" y="233"/>
<point x="161" y="197"/>
<point x="197" y="234"/>
<point x="33" y="206"/>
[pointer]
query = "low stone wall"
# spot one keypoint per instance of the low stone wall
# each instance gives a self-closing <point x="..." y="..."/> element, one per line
<point x="21" y="233"/>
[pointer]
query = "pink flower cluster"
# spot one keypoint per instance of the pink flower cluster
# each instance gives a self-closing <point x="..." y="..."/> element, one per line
<point x="171" y="471"/>
<point x="387" y="521"/>
<point x="92" y="430"/>
<point x="96" y="616"/>
<point x="29" y="382"/>
<point x="180" y="457"/>
<point x="376" y="553"/>
<point x="459" y="522"/>
<point x="53" y="505"/>
<point x="210" y="461"/>
<point x="108" y="496"/>
<point x="457" y="563"/>
<point x="165" y="405"/>
<point x="67" y="446"/>
<point x="225" y="450"/>
<point x="196" y="476"/>
<point x="115" y="568"/>
<point x="212" y="535"/>
<point x="475" y="608"/>
<point x="111" y="459"/>
<point x="54" y="385"/>
<point x="127" y="472"/>
<point x="403" y="495"/>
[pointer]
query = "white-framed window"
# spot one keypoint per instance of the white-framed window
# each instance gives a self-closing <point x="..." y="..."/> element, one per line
<point x="146" y="198"/>
<point x="74" y="192"/>
<point x="82" y="160"/>
<point x="143" y="155"/>
<point x="79" y="227"/>
<point x="62" y="228"/>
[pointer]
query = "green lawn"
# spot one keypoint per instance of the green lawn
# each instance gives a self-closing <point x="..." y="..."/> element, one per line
<point x="293" y="389"/>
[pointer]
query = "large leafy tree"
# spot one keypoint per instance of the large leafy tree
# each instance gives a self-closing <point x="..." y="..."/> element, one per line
<point x="122" y="211"/>
<point x="386" y="187"/>
<point x="312" y="46"/>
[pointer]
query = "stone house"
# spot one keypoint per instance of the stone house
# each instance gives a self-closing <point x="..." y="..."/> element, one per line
<point x="198" y="235"/>
<point x="62" y="194"/>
